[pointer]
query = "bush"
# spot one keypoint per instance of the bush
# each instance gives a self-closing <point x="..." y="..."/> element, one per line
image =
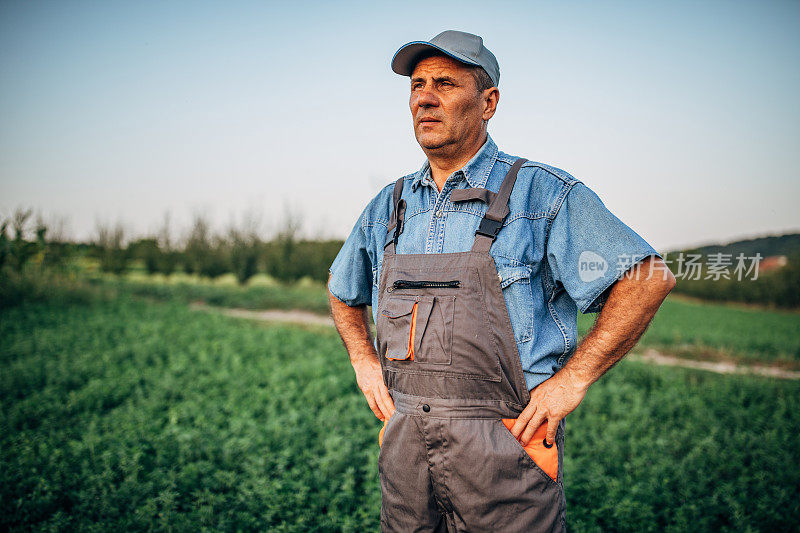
<point x="108" y="243"/>
<point x="46" y="286"/>
<point x="780" y="288"/>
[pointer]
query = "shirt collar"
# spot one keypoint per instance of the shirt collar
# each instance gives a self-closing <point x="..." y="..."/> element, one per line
<point x="476" y="171"/>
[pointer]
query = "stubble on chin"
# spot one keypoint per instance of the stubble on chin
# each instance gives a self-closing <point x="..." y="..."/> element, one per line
<point x="431" y="142"/>
<point x="432" y="145"/>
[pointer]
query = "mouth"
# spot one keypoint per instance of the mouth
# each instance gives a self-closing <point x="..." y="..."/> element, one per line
<point x="427" y="121"/>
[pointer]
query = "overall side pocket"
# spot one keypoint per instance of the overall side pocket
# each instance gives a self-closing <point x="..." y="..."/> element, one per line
<point x="543" y="458"/>
<point x="383" y="429"/>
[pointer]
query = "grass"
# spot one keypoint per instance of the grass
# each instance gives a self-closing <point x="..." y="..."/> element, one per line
<point x="668" y="449"/>
<point x="682" y="326"/>
<point x="261" y="293"/>
<point x="716" y="331"/>
<point x="135" y="415"/>
<point x="141" y="416"/>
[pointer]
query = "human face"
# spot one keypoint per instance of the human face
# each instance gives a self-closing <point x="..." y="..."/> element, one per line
<point x="446" y="107"/>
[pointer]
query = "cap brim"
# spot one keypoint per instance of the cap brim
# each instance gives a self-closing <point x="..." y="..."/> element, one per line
<point x="404" y="59"/>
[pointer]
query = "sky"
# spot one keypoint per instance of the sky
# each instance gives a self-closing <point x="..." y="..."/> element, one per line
<point x="682" y="116"/>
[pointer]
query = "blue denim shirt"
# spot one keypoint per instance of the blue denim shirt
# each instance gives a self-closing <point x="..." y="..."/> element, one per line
<point x="559" y="251"/>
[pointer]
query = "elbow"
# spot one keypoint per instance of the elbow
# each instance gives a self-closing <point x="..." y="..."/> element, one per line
<point x="667" y="284"/>
<point x="669" y="281"/>
<point x="662" y="280"/>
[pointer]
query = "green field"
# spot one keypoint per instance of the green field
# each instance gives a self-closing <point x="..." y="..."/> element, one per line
<point x="309" y="296"/>
<point x="711" y="331"/>
<point x="681" y="327"/>
<point x="139" y="415"/>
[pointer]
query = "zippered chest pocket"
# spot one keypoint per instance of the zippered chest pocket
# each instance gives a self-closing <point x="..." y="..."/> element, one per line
<point x="418" y="328"/>
<point x="447" y="332"/>
<point x="423" y="284"/>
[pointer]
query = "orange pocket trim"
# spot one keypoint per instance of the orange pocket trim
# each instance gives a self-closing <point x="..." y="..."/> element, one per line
<point x="546" y="458"/>
<point x="412" y="332"/>
<point x="410" y="352"/>
<point x="380" y="433"/>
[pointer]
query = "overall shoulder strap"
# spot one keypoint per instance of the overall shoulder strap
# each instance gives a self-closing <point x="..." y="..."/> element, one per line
<point x="497" y="212"/>
<point x="396" y="218"/>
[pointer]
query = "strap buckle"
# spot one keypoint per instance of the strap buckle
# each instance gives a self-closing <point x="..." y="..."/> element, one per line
<point x="398" y="229"/>
<point x="391" y="237"/>
<point x="401" y="215"/>
<point x="489" y="227"/>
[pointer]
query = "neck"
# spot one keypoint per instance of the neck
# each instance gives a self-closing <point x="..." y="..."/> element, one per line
<point x="444" y="163"/>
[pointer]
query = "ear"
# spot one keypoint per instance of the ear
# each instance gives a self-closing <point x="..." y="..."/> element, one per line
<point x="490" y="97"/>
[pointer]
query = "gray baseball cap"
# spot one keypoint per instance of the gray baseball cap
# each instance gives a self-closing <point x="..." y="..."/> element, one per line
<point x="465" y="47"/>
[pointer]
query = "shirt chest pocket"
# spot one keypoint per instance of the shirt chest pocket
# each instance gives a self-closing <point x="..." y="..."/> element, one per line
<point x="515" y="281"/>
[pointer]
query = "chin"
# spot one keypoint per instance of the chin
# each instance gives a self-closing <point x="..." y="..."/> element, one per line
<point x="430" y="142"/>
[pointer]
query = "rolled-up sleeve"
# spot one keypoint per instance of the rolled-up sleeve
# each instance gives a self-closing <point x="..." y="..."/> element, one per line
<point x="588" y="248"/>
<point x="351" y="270"/>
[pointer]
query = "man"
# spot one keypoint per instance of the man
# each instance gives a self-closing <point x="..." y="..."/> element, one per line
<point x="475" y="267"/>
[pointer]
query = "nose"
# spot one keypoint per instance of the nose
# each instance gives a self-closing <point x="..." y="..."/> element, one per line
<point x="427" y="98"/>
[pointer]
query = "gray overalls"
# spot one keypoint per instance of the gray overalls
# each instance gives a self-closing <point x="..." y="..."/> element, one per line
<point x="447" y="460"/>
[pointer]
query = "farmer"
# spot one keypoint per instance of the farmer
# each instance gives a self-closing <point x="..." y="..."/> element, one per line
<point x="475" y="267"/>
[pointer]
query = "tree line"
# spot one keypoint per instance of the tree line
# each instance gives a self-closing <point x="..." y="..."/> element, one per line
<point x="778" y="288"/>
<point x="241" y="249"/>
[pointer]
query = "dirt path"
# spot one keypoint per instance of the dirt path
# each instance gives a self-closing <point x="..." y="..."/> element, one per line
<point x="721" y="367"/>
<point x="649" y="356"/>
<point x="271" y="315"/>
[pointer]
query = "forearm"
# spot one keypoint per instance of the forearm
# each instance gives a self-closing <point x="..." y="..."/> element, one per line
<point x="353" y="326"/>
<point x="352" y="323"/>
<point x="631" y="305"/>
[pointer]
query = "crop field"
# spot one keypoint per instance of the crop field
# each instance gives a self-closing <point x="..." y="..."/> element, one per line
<point x="682" y="327"/>
<point x="701" y="330"/>
<point x="310" y="297"/>
<point x="140" y="415"/>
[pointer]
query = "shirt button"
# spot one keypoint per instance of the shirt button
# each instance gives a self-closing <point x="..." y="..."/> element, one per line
<point x="439" y="213"/>
<point x="426" y="408"/>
